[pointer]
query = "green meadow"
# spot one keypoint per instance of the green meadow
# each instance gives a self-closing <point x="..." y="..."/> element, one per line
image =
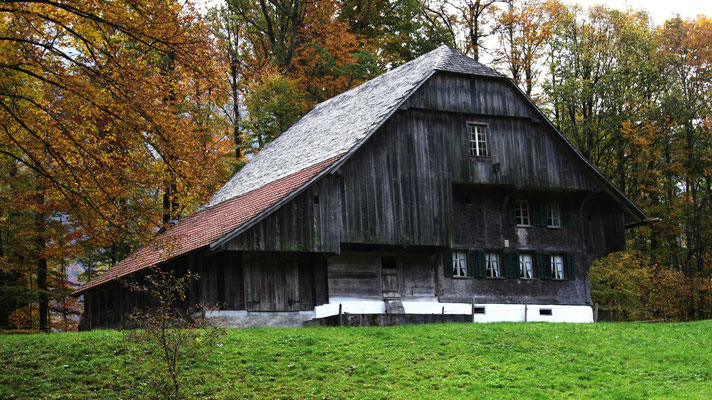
<point x="448" y="361"/>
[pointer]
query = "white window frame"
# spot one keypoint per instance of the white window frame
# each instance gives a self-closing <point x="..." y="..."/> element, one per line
<point x="459" y="259"/>
<point x="523" y="217"/>
<point x="494" y="266"/>
<point x="553" y="214"/>
<point x="477" y="140"/>
<point x="557" y="266"/>
<point x="526" y="266"/>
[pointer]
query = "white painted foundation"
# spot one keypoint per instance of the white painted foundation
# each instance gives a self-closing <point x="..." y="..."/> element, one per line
<point x="493" y="312"/>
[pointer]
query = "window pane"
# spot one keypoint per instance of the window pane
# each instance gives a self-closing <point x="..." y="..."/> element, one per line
<point x="493" y="265"/>
<point x="522" y="209"/>
<point x="557" y="266"/>
<point x="526" y="269"/>
<point x="459" y="263"/>
<point x="477" y="135"/>
<point x="553" y="214"/>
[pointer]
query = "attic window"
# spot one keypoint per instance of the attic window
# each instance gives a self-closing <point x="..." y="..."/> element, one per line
<point x="316" y="199"/>
<point x="477" y="137"/>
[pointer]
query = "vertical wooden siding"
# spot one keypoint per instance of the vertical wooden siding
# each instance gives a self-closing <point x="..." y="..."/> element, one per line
<point x="397" y="188"/>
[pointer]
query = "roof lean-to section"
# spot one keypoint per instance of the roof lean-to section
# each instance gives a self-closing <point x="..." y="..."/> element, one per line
<point x="209" y="224"/>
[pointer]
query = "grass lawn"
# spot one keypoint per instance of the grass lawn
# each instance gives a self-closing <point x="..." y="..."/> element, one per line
<point x="502" y="360"/>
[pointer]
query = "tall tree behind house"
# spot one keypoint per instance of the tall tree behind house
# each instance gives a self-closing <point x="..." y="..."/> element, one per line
<point x="634" y="98"/>
<point x="469" y="22"/>
<point x="524" y="30"/>
<point x="293" y="41"/>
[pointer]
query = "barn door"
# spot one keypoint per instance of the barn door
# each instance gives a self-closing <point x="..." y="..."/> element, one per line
<point x="390" y="277"/>
<point x="271" y="282"/>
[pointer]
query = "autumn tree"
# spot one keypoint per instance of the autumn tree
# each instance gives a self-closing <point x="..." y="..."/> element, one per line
<point x="602" y="73"/>
<point x="524" y="30"/>
<point x="299" y="46"/>
<point x="686" y="54"/>
<point x="108" y="107"/>
<point x="634" y="98"/>
<point x="272" y="105"/>
<point x="228" y="28"/>
<point x="469" y="22"/>
<point x="400" y="30"/>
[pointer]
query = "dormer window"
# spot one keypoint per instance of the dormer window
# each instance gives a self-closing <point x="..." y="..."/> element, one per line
<point x="477" y="135"/>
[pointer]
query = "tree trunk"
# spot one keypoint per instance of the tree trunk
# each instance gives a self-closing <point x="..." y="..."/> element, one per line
<point x="43" y="299"/>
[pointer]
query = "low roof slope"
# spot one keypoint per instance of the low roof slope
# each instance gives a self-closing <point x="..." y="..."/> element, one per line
<point x="209" y="224"/>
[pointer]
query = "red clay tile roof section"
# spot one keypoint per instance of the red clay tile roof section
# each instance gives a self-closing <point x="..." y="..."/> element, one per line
<point x="210" y="224"/>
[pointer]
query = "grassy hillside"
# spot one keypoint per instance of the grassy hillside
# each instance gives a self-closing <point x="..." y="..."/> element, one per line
<point x="501" y="360"/>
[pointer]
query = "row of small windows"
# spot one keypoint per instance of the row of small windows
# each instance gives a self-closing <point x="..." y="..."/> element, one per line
<point x="521" y="212"/>
<point x="551" y="214"/>
<point x="478" y="263"/>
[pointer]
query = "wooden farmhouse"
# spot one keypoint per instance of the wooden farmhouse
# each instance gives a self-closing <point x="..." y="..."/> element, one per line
<point x="435" y="192"/>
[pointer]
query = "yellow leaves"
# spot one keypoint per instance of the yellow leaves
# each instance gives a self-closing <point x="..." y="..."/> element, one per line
<point x="108" y="124"/>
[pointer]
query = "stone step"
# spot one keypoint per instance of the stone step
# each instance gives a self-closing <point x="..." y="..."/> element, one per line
<point x="394" y="306"/>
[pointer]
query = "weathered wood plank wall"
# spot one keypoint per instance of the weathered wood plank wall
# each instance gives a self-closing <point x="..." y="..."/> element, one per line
<point x="397" y="189"/>
<point x="300" y="225"/>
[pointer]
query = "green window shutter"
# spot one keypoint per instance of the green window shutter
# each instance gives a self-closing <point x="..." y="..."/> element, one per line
<point x="566" y="214"/>
<point x="538" y="212"/>
<point x="543" y="266"/>
<point x="447" y="263"/>
<point x="478" y="263"/>
<point x="510" y="263"/>
<point x="512" y="213"/>
<point x="534" y="219"/>
<point x="570" y="267"/>
<point x="481" y="272"/>
<point x="543" y="214"/>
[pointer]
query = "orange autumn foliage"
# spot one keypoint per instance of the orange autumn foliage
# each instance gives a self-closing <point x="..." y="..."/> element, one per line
<point x="103" y="106"/>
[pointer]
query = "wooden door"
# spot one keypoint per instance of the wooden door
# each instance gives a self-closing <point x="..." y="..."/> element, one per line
<point x="271" y="282"/>
<point x="390" y="277"/>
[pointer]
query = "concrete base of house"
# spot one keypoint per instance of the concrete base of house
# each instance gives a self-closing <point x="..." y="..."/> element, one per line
<point x="252" y="319"/>
<point x="356" y="312"/>
<point x="478" y="312"/>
